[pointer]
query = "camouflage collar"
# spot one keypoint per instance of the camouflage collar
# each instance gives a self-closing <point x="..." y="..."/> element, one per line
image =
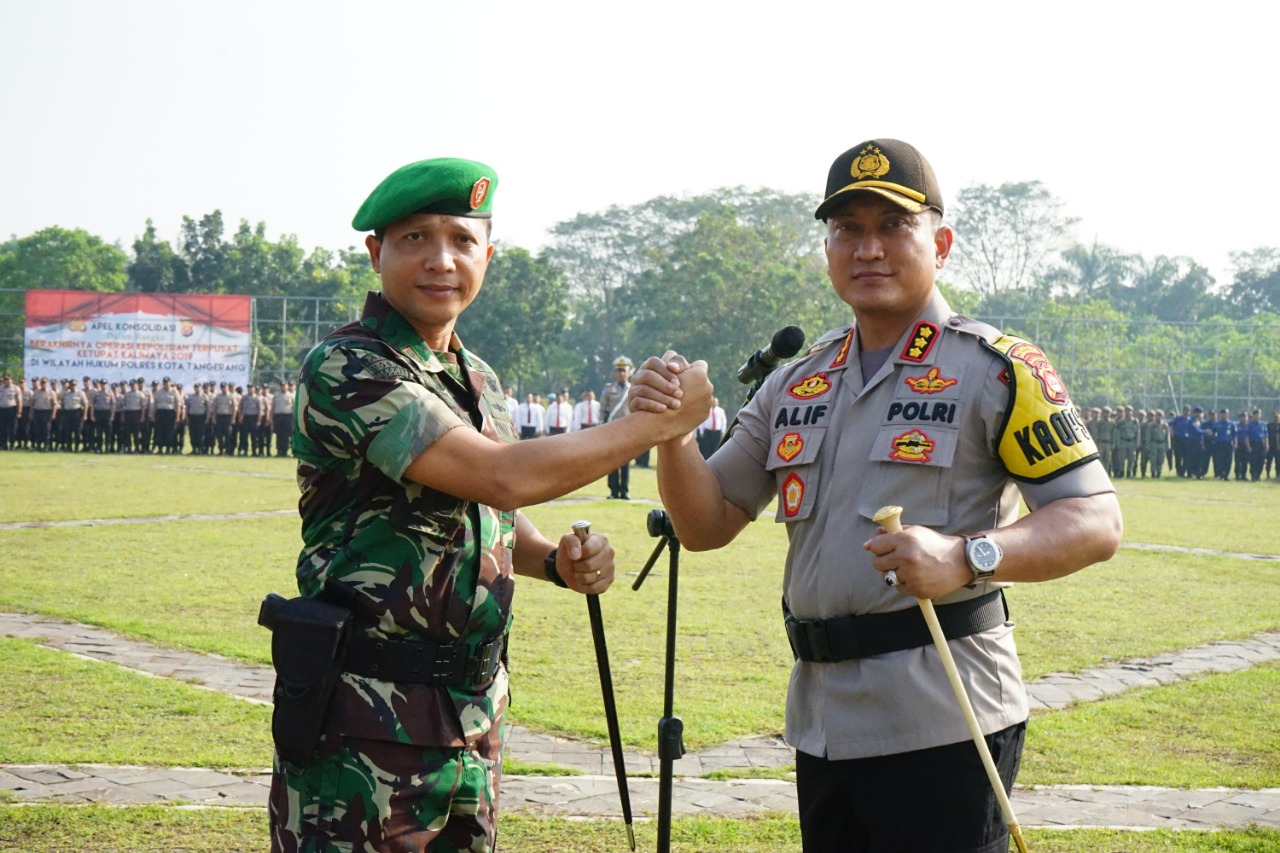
<point x="393" y="328"/>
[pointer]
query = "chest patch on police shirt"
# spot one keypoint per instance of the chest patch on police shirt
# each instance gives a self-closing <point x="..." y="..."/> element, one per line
<point x="921" y="425"/>
<point x="810" y="387"/>
<point x="932" y="382"/>
<point x="1044" y="435"/>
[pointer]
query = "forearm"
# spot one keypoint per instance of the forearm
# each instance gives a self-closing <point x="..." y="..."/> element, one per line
<point x="692" y="495"/>
<point x="509" y="476"/>
<point x="529" y="556"/>
<point x="1059" y="538"/>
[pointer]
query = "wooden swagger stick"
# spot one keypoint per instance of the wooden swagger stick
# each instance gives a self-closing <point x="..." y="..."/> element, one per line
<point x="889" y="517"/>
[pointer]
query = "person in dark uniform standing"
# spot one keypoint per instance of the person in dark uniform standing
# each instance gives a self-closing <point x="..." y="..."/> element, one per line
<point x="1272" y="465"/>
<point x="1256" y="431"/>
<point x="1240" y="446"/>
<point x="1179" y="427"/>
<point x="840" y="432"/>
<point x="411" y="477"/>
<point x="1220" y="436"/>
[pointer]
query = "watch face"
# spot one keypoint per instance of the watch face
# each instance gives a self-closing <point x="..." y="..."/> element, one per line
<point x="984" y="554"/>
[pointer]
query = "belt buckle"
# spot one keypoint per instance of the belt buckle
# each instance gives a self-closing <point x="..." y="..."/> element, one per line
<point x="450" y="664"/>
<point x="819" y="642"/>
<point x="484" y="665"/>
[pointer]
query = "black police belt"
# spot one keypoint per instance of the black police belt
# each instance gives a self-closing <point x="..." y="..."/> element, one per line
<point x="412" y="662"/>
<point x="850" y="637"/>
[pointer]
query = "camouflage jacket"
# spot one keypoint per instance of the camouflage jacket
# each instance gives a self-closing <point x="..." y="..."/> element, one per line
<point x="421" y="564"/>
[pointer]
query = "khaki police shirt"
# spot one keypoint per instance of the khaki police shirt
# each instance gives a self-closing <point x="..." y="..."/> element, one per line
<point x="928" y="432"/>
<point x="166" y="399"/>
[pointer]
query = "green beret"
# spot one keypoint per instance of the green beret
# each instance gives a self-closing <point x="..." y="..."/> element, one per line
<point x="444" y="185"/>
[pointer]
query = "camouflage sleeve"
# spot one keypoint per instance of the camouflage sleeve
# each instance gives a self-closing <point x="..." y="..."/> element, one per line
<point x="360" y="403"/>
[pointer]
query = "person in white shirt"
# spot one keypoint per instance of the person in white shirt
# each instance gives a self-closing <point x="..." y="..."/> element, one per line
<point x="512" y="402"/>
<point x="586" y="413"/>
<point x="559" y="415"/>
<point x="711" y="431"/>
<point x="530" y="417"/>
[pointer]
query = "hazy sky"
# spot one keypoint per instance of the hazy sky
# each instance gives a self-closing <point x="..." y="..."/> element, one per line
<point x="1154" y="122"/>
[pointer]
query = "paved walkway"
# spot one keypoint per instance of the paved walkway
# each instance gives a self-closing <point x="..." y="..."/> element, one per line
<point x="595" y="792"/>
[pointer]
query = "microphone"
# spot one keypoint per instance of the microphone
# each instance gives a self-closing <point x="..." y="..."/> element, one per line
<point x="785" y="343"/>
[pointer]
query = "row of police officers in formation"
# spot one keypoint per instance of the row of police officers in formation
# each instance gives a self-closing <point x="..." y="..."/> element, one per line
<point x="133" y="417"/>
<point x="1135" y="444"/>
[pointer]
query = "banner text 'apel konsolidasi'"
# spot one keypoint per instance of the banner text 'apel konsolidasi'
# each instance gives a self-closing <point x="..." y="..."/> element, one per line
<point x="188" y="338"/>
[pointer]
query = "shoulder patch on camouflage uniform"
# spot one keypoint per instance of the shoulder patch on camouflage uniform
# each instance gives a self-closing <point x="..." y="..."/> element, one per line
<point x="383" y="367"/>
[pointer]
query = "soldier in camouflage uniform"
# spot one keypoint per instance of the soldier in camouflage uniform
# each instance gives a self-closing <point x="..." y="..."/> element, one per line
<point x="411" y="477"/>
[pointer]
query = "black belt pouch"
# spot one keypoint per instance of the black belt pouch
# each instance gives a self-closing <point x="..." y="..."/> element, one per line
<point x="307" y="643"/>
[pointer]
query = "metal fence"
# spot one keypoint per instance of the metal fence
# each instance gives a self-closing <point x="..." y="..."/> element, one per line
<point x="1141" y="363"/>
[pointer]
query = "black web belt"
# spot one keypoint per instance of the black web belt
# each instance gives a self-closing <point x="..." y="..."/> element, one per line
<point x="849" y="637"/>
<point x="443" y="664"/>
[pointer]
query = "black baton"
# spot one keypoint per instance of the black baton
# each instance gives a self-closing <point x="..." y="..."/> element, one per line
<point x="583" y="529"/>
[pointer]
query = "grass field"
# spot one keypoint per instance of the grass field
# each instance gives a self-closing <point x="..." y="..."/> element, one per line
<point x="173" y="569"/>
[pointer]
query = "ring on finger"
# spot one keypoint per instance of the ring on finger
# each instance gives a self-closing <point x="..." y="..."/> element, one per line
<point x="891" y="578"/>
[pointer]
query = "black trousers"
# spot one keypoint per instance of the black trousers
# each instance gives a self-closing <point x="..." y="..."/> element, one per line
<point x="925" y="801"/>
<point x="620" y="482"/>
<point x="166" y="419"/>
<point x="283" y="426"/>
<point x="8" y="427"/>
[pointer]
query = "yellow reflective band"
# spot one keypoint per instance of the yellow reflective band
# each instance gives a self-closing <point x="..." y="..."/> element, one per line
<point x="898" y="188"/>
<point x="1043" y="437"/>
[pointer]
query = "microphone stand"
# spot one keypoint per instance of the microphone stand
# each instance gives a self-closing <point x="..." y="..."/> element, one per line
<point x="670" y="727"/>
<point x="751" y="392"/>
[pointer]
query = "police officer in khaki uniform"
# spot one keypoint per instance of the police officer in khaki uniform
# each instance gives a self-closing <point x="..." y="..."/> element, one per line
<point x="10" y="410"/>
<point x="250" y="412"/>
<point x="224" y="414"/>
<point x="168" y="403"/>
<point x="197" y="406"/>
<point x="613" y="405"/>
<point x="907" y="407"/>
<point x="282" y="417"/>
<point x="73" y="411"/>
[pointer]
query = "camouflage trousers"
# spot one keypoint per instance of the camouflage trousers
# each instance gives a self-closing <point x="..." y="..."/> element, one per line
<point x="368" y="795"/>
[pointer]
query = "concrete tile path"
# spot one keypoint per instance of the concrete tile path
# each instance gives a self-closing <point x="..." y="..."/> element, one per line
<point x="595" y="792"/>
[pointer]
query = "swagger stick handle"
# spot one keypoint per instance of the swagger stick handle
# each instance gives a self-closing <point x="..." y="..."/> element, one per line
<point x="583" y="529"/>
<point x="889" y="517"/>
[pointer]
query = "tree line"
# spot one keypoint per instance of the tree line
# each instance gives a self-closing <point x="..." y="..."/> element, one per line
<point x="713" y="275"/>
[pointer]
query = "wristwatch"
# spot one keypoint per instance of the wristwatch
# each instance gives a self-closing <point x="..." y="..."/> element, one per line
<point x="983" y="557"/>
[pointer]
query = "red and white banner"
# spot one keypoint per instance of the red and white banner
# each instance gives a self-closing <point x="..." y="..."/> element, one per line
<point x="189" y="338"/>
